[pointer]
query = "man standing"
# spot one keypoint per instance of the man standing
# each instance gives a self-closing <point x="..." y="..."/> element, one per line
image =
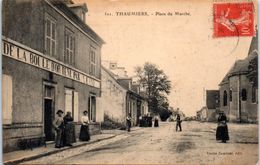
<point x="178" y="122"/>
<point x="58" y="124"/>
<point x="128" y="122"/>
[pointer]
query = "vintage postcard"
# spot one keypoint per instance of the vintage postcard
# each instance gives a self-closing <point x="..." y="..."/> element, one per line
<point x="130" y="82"/>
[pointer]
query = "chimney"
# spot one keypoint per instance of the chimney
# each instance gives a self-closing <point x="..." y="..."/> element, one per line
<point x="79" y="9"/>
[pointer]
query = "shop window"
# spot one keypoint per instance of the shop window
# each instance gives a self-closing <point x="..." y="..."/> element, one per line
<point x="71" y="103"/>
<point x="7" y="99"/>
<point x="254" y="94"/>
<point x="225" y="98"/>
<point x="50" y="36"/>
<point x="244" y="95"/>
<point x="230" y="95"/>
<point x="69" y="45"/>
<point x="92" y="57"/>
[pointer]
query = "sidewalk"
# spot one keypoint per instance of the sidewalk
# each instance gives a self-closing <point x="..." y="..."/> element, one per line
<point x="19" y="156"/>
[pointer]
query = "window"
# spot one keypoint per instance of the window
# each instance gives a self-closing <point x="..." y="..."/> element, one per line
<point x="49" y="93"/>
<point x="92" y="108"/>
<point x="71" y="103"/>
<point x="230" y="95"/>
<point x="50" y="36"/>
<point x="244" y="95"/>
<point x="92" y="69"/>
<point x="225" y="98"/>
<point x="69" y="45"/>
<point x="254" y="94"/>
<point x="7" y="101"/>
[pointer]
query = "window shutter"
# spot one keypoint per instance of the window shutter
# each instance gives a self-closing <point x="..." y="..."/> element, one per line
<point x="7" y="100"/>
<point x="68" y="100"/>
<point x="76" y="107"/>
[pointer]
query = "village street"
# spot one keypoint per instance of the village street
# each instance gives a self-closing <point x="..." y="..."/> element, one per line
<point x="163" y="145"/>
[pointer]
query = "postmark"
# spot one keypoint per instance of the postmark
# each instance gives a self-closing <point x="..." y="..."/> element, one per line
<point x="233" y="19"/>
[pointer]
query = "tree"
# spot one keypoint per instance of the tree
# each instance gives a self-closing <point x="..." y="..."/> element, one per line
<point x="156" y="84"/>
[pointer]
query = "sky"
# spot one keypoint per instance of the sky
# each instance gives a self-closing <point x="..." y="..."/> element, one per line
<point x="182" y="46"/>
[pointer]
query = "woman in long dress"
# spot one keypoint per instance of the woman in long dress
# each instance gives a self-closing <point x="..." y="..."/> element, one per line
<point x="222" y="129"/>
<point x="84" y="130"/>
<point x="156" y="121"/>
<point x="69" y="130"/>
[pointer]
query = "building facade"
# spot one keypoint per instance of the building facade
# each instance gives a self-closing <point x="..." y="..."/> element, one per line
<point x="51" y="60"/>
<point x="113" y="97"/>
<point x="135" y="103"/>
<point x="239" y="95"/>
<point x="212" y="104"/>
<point x="202" y="114"/>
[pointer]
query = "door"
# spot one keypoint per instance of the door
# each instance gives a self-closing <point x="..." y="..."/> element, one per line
<point x="49" y="113"/>
<point x="138" y="111"/>
<point x="48" y="119"/>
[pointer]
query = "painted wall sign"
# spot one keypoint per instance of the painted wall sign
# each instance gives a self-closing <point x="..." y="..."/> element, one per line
<point x="29" y="56"/>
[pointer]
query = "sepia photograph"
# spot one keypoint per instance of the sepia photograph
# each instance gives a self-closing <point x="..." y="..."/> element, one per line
<point x="130" y="82"/>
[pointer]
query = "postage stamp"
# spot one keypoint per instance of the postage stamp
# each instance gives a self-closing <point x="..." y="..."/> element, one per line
<point x="233" y="19"/>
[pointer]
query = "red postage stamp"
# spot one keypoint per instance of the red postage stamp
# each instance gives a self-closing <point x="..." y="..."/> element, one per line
<point x="233" y="19"/>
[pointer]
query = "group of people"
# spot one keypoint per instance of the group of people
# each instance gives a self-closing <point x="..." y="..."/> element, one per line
<point x="147" y="121"/>
<point x="65" y="129"/>
<point x="144" y="121"/>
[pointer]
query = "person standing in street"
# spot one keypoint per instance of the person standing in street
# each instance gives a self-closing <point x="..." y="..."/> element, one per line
<point x="69" y="131"/>
<point x="140" y="121"/>
<point x="58" y="125"/>
<point x="156" y="121"/>
<point x="178" y="122"/>
<point x="84" y="129"/>
<point x="222" y="129"/>
<point x="128" y="122"/>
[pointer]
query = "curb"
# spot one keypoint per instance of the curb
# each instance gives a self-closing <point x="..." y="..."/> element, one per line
<point x="16" y="161"/>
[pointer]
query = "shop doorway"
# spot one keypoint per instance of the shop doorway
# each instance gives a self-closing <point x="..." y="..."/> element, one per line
<point x="49" y="113"/>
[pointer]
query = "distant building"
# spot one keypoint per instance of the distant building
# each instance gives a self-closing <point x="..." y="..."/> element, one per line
<point x="51" y="60"/>
<point x="118" y="71"/>
<point x="202" y="114"/>
<point x="239" y="95"/>
<point x="120" y="96"/>
<point x="212" y="104"/>
<point x="136" y="105"/>
<point x="210" y="111"/>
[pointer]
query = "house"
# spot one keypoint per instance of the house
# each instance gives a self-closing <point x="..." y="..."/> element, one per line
<point x="238" y="94"/>
<point x="210" y="111"/>
<point x="212" y="104"/>
<point x="135" y="103"/>
<point x="51" y="60"/>
<point x="202" y="114"/>
<point x="113" y="97"/>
